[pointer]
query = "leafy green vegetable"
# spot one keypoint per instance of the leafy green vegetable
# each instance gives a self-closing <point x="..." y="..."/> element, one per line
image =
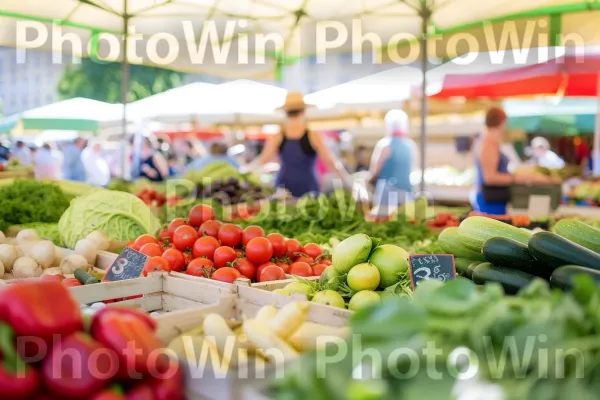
<point x="120" y="215"/>
<point x="26" y="201"/>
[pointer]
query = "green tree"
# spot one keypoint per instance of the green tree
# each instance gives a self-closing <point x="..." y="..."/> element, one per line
<point x="102" y="81"/>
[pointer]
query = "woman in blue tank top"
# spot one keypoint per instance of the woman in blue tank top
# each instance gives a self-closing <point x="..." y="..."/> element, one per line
<point x="298" y="149"/>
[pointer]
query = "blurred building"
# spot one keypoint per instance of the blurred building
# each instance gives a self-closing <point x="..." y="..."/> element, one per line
<point x="24" y="86"/>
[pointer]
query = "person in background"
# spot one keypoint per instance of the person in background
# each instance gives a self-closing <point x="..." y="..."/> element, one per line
<point x="153" y="165"/>
<point x="73" y="165"/>
<point x="47" y="163"/>
<point x="217" y="152"/>
<point x="96" y="167"/>
<point x="4" y="152"/>
<point x="392" y="162"/>
<point x="583" y="154"/>
<point x="361" y="154"/>
<point x="22" y="153"/>
<point x="298" y="149"/>
<point x="543" y="156"/>
<point x="491" y="165"/>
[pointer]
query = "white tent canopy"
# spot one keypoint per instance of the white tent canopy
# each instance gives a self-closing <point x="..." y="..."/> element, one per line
<point x="78" y="108"/>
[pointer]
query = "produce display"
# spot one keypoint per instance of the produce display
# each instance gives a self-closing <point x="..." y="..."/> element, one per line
<point x="122" y="216"/>
<point x="231" y="191"/>
<point x="272" y="336"/>
<point x="45" y="311"/>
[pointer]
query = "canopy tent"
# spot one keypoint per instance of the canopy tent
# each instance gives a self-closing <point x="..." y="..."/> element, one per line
<point x="79" y="114"/>
<point x="553" y="116"/>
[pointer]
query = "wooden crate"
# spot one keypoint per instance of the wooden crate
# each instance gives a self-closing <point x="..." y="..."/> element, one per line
<point x="160" y="293"/>
<point x="246" y="303"/>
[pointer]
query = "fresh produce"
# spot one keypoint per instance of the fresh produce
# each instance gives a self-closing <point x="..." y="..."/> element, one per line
<point x="363" y="299"/>
<point x="8" y="255"/>
<point x="392" y="263"/>
<point x="87" y="249"/>
<point x="474" y="231"/>
<point x="205" y="246"/>
<point x="450" y="241"/>
<point x="555" y="251"/>
<point x="26" y="267"/>
<point x="330" y="298"/>
<point x="511" y="280"/>
<point x="580" y="233"/>
<point x="17" y="379"/>
<point x="44" y="230"/>
<point x="42" y="253"/>
<point x="259" y="250"/>
<point x="120" y="215"/>
<point x="512" y="254"/>
<point x="73" y="262"/>
<point x="352" y="251"/>
<point x="84" y="277"/>
<point x="565" y="277"/>
<point x="363" y="276"/>
<point x="514" y="344"/>
<point x="298" y="287"/>
<point x="29" y="201"/>
<point x="151" y="197"/>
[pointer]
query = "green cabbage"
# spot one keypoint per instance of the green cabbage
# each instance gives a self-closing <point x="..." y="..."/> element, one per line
<point x="122" y="216"/>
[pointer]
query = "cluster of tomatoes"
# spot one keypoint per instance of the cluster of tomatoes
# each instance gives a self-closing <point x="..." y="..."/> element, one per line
<point x="151" y="197"/>
<point x="205" y="247"/>
<point x="443" y="220"/>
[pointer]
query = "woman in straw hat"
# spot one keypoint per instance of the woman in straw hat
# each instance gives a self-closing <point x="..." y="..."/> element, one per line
<point x="298" y="149"/>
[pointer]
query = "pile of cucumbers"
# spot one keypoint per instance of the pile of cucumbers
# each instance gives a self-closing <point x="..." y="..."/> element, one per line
<point x="487" y="250"/>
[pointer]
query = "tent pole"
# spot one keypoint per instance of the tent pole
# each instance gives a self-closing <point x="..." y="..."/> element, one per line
<point x="125" y="88"/>
<point x="596" y="148"/>
<point x="425" y="14"/>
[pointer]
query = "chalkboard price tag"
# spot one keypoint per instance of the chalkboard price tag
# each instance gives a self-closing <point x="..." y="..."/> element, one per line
<point x="431" y="266"/>
<point x="129" y="265"/>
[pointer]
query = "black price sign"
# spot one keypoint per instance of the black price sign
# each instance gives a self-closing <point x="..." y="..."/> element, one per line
<point x="431" y="266"/>
<point x="129" y="265"/>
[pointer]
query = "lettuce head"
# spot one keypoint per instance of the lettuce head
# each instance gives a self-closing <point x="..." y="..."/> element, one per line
<point x="122" y="216"/>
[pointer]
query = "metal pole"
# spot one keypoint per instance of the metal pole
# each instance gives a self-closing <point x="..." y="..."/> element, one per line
<point x="596" y="149"/>
<point x="424" y="64"/>
<point x="125" y="86"/>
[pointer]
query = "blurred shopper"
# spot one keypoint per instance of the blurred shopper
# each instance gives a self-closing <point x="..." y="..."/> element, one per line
<point x="4" y="152"/>
<point x="73" y="165"/>
<point x="96" y="166"/>
<point x="153" y="165"/>
<point x="492" y="181"/>
<point x="543" y="156"/>
<point x="392" y="162"/>
<point x="22" y="153"/>
<point x="217" y="152"/>
<point x="361" y="154"/>
<point x="298" y="149"/>
<point x="583" y="154"/>
<point x="48" y="163"/>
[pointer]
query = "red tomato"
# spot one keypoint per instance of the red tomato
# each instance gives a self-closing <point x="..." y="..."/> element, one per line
<point x="205" y="247"/>
<point x="319" y="268"/>
<point x="245" y="267"/>
<point x="230" y="235"/>
<point x="313" y="250"/>
<point x="164" y="236"/>
<point x="156" y="264"/>
<point x="201" y="213"/>
<point x="304" y="258"/>
<point x="224" y="255"/>
<point x="250" y="233"/>
<point x="292" y="247"/>
<point x="210" y="228"/>
<point x="71" y="282"/>
<point x="259" y="250"/>
<point x="175" y="258"/>
<point x="263" y="266"/>
<point x="184" y="238"/>
<point x="239" y="252"/>
<point x="176" y="223"/>
<point x="226" y="274"/>
<point x="325" y="261"/>
<point x="301" y="269"/>
<point x="200" y="267"/>
<point x="284" y="266"/>
<point x="142" y="240"/>
<point x="278" y="242"/>
<point x="56" y="278"/>
<point x="151" y="250"/>
<point x="271" y="273"/>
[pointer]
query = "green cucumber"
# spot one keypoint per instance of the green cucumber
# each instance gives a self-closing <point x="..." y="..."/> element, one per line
<point x="472" y="266"/>
<point x="511" y="280"/>
<point x="555" y="251"/>
<point x="563" y="277"/>
<point x="84" y="277"/>
<point x="580" y="233"/>
<point x="512" y="254"/>
<point x="474" y="231"/>
<point x="449" y="240"/>
<point x="462" y="266"/>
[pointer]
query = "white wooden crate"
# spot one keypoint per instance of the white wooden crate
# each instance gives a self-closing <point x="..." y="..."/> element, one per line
<point x="245" y="303"/>
<point x="160" y="293"/>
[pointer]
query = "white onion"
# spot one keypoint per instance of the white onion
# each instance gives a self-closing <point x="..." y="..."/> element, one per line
<point x="8" y="255"/>
<point x="52" y="271"/>
<point x="27" y="235"/>
<point x="58" y="255"/>
<point x="26" y="267"/>
<point x="87" y="249"/>
<point x="2" y="237"/>
<point x="1" y="270"/>
<point x="71" y="263"/>
<point x="43" y="253"/>
<point x="100" y="239"/>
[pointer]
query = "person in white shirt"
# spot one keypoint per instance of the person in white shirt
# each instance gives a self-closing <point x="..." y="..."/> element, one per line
<point x="543" y="156"/>
<point x="22" y="153"/>
<point x="96" y="167"/>
<point x="48" y="163"/>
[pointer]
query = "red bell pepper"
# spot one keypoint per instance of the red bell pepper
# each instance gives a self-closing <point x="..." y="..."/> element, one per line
<point x="171" y="386"/>
<point x="113" y="393"/>
<point x="78" y="367"/>
<point x="17" y="379"/>
<point x="151" y="322"/>
<point x="141" y="391"/>
<point x="131" y="338"/>
<point x="40" y="309"/>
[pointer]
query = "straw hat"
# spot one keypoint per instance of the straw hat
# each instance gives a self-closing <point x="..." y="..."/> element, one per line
<point x="294" y="101"/>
